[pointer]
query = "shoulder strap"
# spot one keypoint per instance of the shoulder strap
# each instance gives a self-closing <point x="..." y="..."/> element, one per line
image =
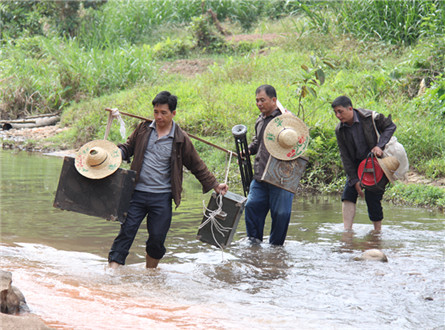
<point x="373" y="123"/>
<point x="280" y="107"/>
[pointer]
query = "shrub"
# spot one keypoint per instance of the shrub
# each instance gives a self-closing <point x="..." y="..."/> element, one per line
<point x="170" y="48"/>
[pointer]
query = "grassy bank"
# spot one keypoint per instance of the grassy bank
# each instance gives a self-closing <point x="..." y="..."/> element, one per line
<point x="311" y="57"/>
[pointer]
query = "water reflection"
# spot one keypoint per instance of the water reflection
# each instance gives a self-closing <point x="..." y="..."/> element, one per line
<point x="58" y="259"/>
<point x="373" y="240"/>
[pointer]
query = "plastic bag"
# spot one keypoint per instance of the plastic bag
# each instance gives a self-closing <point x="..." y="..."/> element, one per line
<point x="396" y="149"/>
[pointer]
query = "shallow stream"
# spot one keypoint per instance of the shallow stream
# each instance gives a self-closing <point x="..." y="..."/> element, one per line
<point x="58" y="260"/>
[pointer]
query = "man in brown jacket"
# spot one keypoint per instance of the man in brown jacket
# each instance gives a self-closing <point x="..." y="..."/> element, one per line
<point x="160" y="151"/>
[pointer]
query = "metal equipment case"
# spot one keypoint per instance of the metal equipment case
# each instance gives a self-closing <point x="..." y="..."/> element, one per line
<point x="107" y="198"/>
<point x="285" y="174"/>
<point x="232" y="209"/>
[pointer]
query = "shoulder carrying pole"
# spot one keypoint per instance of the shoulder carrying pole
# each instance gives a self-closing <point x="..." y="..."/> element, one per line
<point x="245" y="167"/>
<point x="192" y="136"/>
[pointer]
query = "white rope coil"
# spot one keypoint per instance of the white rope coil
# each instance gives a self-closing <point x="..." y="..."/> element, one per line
<point x="210" y="215"/>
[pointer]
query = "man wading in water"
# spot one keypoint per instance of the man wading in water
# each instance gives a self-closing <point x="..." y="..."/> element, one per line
<point x="356" y="138"/>
<point x="160" y="151"/>
<point x="264" y="197"/>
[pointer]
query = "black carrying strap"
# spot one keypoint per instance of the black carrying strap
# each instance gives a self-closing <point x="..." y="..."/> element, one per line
<point x="371" y="158"/>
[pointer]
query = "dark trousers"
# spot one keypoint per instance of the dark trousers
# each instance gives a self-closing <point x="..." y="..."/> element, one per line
<point x="158" y="209"/>
<point x="373" y="201"/>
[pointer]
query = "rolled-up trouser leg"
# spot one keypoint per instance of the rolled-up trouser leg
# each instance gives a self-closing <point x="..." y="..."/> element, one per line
<point x="374" y="205"/>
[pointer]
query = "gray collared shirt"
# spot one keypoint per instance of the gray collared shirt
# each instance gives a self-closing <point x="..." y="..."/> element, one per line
<point x="156" y="168"/>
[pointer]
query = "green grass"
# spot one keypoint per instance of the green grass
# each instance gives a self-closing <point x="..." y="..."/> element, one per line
<point x="417" y="194"/>
<point x="121" y="65"/>
<point x="399" y="22"/>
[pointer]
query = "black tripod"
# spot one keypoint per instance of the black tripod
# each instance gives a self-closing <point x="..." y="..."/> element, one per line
<point x="245" y="167"/>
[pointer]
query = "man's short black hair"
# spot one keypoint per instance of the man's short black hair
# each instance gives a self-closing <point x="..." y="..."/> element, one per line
<point x="268" y="89"/>
<point x="165" y="97"/>
<point x="342" y="101"/>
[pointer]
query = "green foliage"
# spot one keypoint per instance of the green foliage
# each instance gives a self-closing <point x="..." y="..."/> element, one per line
<point x="429" y="56"/>
<point x="171" y="48"/>
<point x="205" y="34"/>
<point x="45" y="74"/>
<point x="34" y="17"/>
<point x="433" y="168"/>
<point x="424" y="138"/>
<point x="324" y="171"/>
<point x="136" y="21"/>
<point x="116" y="64"/>
<point x="319" y="14"/>
<point x="309" y="80"/>
<point x="429" y="196"/>
<point x="401" y="22"/>
<point x="243" y="47"/>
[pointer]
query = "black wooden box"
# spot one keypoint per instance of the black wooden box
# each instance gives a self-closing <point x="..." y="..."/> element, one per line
<point x="232" y="209"/>
<point x="107" y="198"/>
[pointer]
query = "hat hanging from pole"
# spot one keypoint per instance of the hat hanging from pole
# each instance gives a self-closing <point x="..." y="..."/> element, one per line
<point x="389" y="165"/>
<point x="286" y="137"/>
<point x="98" y="159"/>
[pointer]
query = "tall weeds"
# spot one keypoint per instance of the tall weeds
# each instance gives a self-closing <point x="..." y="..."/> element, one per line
<point x="401" y="22"/>
<point x="136" y="21"/>
<point x="61" y="72"/>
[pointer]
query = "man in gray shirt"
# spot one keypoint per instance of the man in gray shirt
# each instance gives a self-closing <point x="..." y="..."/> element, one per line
<point x="159" y="150"/>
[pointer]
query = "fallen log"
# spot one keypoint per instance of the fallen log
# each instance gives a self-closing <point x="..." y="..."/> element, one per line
<point x="30" y="122"/>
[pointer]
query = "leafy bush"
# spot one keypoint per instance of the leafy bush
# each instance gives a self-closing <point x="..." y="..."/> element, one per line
<point x="205" y="34"/>
<point x="171" y="48"/>
<point x="324" y="171"/>
<point x="36" y="17"/>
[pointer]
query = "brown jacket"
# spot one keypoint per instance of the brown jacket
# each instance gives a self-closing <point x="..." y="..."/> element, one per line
<point x="183" y="154"/>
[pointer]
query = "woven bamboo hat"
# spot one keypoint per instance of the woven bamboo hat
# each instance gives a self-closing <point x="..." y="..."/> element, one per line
<point x="98" y="159"/>
<point x="286" y="137"/>
<point x="389" y="165"/>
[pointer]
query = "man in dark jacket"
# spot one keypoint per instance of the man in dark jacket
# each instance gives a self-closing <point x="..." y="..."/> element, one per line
<point x="160" y="151"/>
<point x="264" y="197"/>
<point x="356" y="138"/>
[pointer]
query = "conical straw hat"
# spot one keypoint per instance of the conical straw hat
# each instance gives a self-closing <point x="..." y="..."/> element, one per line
<point x="286" y="137"/>
<point x="98" y="159"/>
<point x="389" y="165"/>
